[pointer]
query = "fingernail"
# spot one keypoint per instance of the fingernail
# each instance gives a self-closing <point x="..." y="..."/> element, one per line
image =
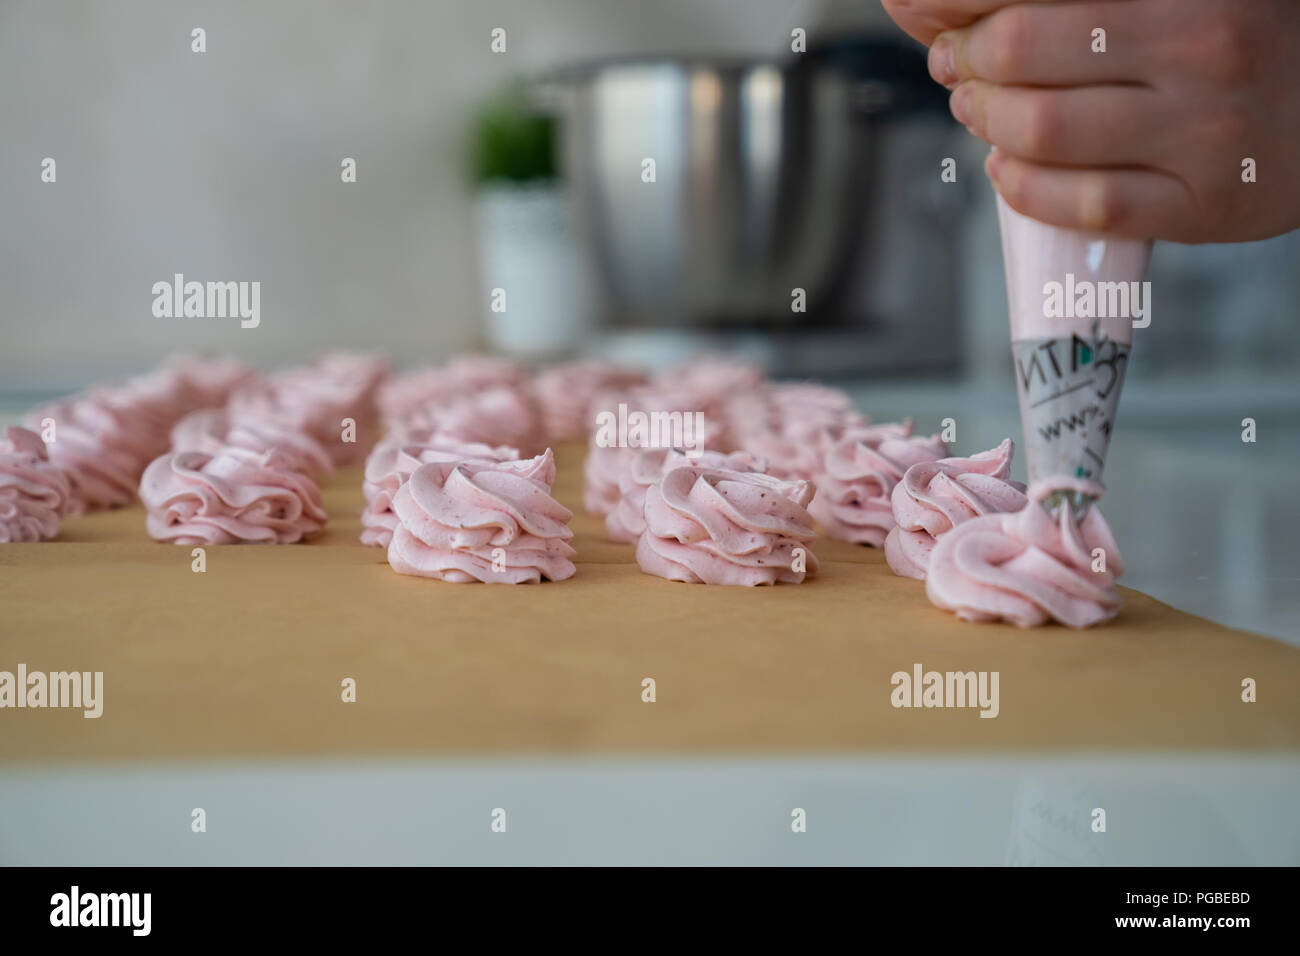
<point x="942" y="63"/>
<point x="959" y="103"/>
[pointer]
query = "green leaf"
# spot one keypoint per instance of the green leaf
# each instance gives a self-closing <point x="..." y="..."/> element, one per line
<point x="513" y="143"/>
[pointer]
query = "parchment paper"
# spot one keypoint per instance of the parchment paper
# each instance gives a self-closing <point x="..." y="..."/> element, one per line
<point x="246" y="660"/>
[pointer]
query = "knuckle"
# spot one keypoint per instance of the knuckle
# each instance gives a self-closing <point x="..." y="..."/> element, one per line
<point x="1009" y="40"/>
<point x="1042" y="126"/>
<point x="1104" y="208"/>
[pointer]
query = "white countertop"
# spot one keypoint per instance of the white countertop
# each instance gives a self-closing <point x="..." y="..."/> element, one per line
<point x="1160" y="810"/>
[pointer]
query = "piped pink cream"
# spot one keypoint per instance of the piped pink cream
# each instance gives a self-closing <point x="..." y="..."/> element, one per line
<point x="210" y="380"/>
<point x="568" y="392"/>
<point x="392" y="463"/>
<point x="936" y="496"/>
<point x="791" y="426"/>
<point x="718" y="526"/>
<point x="858" y="475"/>
<point x="494" y="522"/>
<point x="607" y="464"/>
<point x="1030" y="567"/>
<point x="33" y="491"/>
<point x="626" y="522"/>
<point x="212" y="429"/>
<point x="713" y="378"/>
<point x="332" y="400"/>
<point x="104" y="437"/>
<point x="413" y="392"/>
<point x="498" y="415"/>
<point x="235" y="496"/>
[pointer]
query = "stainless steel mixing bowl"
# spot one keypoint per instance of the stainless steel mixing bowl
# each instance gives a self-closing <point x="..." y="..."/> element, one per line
<point x="763" y="177"/>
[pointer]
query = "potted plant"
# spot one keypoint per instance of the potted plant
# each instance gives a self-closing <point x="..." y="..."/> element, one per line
<point x="538" y="299"/>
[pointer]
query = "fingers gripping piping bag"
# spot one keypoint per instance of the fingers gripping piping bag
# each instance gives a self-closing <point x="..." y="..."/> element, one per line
<point x="1073" y="297"/>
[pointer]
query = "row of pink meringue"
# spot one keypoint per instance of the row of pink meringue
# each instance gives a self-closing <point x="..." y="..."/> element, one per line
<point x="497" y="402"/>
<point x="882" y="486"/>
<point x="34" y="492"/>
<point x="713" y="518"/>
<point x="246" y="472"/>
<point x="781" y="437"/>
<point x="334" y="401"/>
<point x="412" y="393"/>
<point x="104" y="437"/>
<point x="87" y="452"/>
<point x="242" y="469"/>
<point x="303" y="421"/>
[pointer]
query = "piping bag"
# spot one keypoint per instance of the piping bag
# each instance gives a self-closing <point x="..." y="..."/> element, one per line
<point x="1074" y="298"/>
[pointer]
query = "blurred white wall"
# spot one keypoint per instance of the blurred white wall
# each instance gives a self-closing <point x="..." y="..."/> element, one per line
<point x="225" y="165"/>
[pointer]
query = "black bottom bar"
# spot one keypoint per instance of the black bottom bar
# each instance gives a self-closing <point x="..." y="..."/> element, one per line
<point x="984" y="905"/>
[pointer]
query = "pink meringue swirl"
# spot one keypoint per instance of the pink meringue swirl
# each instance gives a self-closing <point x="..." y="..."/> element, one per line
<point x="792" y="425"/>
<point x="713" y="377"/>
<point x="210" y="381"/>
<point x="411" y="392"/>
<point x="858" y="475"/>
<point x="796" y="457"/>
<point x="392" y="463"/>
<point x="104" y="438"/>
<point x="717" y="526"/>
<point x="935" y="496"/>
<point x="626" y="522"/>
<point x="499" y="415"/>
<point x="606" y="465"/>
<point x="364" y="370"/>
<point x="567" y="393"/>
<point x="482" y="521"/>
<point x="212" y="429"/>
<point x="33" y="492"/>
<point x="602" y="470"/>
<point x="231" y="497"/>
<point x="1029" y="567"/>
<point x="316" y="399"/>
<point x="792" y="408"/>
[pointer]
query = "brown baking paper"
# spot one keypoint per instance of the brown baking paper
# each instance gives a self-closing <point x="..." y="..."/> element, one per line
<point x="247" y="659"/>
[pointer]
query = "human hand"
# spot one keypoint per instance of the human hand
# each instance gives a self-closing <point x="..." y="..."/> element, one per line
<point x="1146" y="139"/>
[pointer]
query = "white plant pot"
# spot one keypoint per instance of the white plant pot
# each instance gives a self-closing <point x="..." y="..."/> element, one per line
<point x="528" y="251"/>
